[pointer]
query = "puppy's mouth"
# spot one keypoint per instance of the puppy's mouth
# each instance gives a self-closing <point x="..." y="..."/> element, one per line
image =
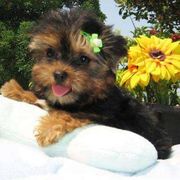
<point x="60" y="90"/>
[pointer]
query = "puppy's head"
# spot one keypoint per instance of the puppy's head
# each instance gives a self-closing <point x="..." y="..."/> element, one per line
<point x="67" y="70"/>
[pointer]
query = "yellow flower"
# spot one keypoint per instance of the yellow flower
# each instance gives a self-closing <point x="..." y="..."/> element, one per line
<point x="159" y="57"/>
<point x="136" y="56"/>
<point x="134" y="76"/>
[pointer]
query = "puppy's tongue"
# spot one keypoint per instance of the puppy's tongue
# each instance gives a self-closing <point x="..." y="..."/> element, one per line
<point x="60" y="90"/>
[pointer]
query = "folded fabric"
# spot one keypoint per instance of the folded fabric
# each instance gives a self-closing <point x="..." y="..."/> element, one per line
<point x="22" y="162"/>
<point x="95" y="145"/>
<point x="17" y="161"/>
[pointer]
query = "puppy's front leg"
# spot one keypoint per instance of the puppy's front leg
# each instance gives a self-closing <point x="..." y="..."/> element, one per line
<point x="14" y="91"/>
<point x="55" y="125"/>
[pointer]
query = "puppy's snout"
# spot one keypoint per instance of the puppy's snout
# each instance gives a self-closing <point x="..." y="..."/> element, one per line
<point x="60" y="76"/>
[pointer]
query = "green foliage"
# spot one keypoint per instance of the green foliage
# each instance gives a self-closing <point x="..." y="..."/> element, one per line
<point x="7" y="38"/>
<point x="164" y="13"/>
<point x="93" y="5"/>
<point x="23" y="61"/>
<point x="14" y="59"/>
<point x="140" y="31"/>
<point x="15" y="11"/>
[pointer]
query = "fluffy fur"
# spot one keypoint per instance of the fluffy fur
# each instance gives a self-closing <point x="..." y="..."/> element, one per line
<point x="64" y="57"/>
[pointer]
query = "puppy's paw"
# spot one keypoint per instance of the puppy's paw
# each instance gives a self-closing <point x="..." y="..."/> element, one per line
<point x="48" y="132"/>
<point x="14" y="91"/>
<point x="49" y="136"/>
<point x="55" y="125"/>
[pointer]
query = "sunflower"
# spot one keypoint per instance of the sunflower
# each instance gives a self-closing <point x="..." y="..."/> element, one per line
<point x="134" y="76"/>
<point x="159" y="57"/>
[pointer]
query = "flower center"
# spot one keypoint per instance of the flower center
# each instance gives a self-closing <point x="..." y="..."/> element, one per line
<point x="157" y="54"/>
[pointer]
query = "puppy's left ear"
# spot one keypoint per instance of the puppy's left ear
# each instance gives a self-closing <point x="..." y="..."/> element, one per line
<point x="114" y="47"/>
<point x="92" y="25"/>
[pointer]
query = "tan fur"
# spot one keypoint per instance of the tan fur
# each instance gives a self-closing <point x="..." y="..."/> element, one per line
<point x="43" y="75"/>
<point x="55" y="125"/>
<point x="79" y="81"/>
<point x="79" y="43"/>
<point x="14" y="91"/>
<point x="52" y="126"/>
<point x="58" y="123"/>
<point x="42" y="41"/>
<point x="93" y="79"/>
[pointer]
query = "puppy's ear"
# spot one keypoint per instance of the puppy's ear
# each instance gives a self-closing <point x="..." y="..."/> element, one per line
<point x="114" y="47"/>
<point x="92" y="25"/>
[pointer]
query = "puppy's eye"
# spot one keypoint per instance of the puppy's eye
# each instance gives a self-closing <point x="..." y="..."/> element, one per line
<point x="51" y="53"/>
<point x="84" y="60"/>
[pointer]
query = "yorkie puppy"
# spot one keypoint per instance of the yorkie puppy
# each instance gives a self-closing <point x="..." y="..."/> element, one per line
<point x="76" y="57"/>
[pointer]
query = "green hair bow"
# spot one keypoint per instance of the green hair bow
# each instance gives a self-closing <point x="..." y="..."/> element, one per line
<point x="95" y="42"/>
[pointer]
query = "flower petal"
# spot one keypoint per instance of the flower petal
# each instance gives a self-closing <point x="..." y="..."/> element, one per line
<point x="134" y="81"/>
<point x="156" y="71"/>
<point x="94" y="36"/>
<point x="143" y="41"/>
<point x="177" y="50"/>
<point x="168" y="76"/>
<point x="125" y="76"/>
<point x="176" y="63"/>
<point x="150" y="66"/>
<point x="163" y="72"/>
<point x="155" y="78"/>
<point x="172" y="70"/>
<point x="100" y="43"/>
<point x="166" y="44"/>
<point x="96" y="50"/>
<point x="145" y="77"/>
<point x="171" y="48"/>
<point x="173" y="57"/>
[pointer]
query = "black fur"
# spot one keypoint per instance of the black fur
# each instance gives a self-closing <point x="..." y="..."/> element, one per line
<point x="64" y="22"/>
<point x="122" y="111"/>
<point x="116" y="109"/>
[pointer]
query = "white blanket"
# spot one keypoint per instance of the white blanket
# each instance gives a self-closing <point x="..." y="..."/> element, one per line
<point x="20" y="157"/>
<point x="19" y="161"/>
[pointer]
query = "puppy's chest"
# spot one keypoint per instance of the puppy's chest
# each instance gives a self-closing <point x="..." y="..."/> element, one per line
<point x="97" y="114"/>
<point x="106" y="113"/>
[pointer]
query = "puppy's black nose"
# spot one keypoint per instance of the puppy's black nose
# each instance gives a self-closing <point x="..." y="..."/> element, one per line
<point x="60" y="76"/>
